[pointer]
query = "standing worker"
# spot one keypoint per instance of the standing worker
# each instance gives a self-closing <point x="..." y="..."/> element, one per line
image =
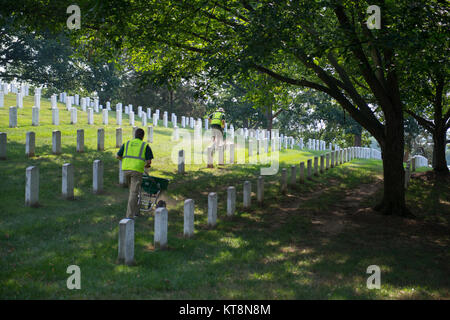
<point x="217" y="121"/>
<point x="136" y="155"/>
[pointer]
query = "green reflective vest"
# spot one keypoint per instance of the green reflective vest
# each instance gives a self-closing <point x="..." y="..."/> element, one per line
<point x="134" y="155"/>
<point x="217" y="118"/>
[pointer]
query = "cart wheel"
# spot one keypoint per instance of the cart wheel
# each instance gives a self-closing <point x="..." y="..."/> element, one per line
<point x="161" y="204"/>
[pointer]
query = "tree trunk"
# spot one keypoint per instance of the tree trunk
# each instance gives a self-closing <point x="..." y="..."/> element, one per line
<point x="358" y="140"/>
<point x="269" y="117"/>
<point x="393" y="202"/>
<point x="170" y="91"/>
<point x="440" y="139"/>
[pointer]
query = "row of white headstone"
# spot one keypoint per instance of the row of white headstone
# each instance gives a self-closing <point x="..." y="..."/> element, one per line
<point x="126" y="226"/>
<point x="285" y="142"/>
<point x="14" y="87"/>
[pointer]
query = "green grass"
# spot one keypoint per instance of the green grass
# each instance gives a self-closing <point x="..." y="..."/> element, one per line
<point x="275" y="251"/>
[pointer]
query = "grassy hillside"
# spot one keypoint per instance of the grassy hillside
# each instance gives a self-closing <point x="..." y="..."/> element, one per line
<point x="271" y="251"/>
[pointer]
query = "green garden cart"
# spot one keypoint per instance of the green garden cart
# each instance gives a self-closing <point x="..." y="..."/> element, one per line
<point x="151" y="189"/>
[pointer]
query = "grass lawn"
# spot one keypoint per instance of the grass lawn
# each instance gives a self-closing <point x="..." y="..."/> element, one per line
<point x="315" y="242"/>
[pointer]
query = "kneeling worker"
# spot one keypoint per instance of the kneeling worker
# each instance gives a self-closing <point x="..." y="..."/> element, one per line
<point x="136" y="155"/>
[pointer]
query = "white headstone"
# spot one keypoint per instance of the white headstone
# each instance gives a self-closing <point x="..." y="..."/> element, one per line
<point x="231" y="201"/>
<point x="34" y="116"/>
<point x="126" y="241"/>
<point x="161" y="220"/>
<point x="188" y="218"/>
<point x="32" y="187"/>
<point x="212" y="209"/>
<point x="67" y="181"/>
<point x="247" y="194"/>
<point x="97" y="181"/>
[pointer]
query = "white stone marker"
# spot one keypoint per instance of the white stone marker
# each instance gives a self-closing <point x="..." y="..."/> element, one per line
<point x="118" y="137"/>
<point x="150" y="134"/>
<point x="293" y="180"/>
<point x="56" y="142"/>
<point x="19" y="100"/>
<point x="212" y="209"/>
<point x="260" y="190"/>
<point x="55" y="117"/>
<point x="3" y="142"/>
<point x="53" y="101"/>
<point x="96" y="106"/>
<point x="155" y="120"/>
<point x="165" y="119"/>
<point x="73" y="115"/>
<point x="302" y="172"/>
<point x="133" y="132"/>
<point x="283" y="182"/>
<point x="35" y="116"/>
<point x="37" y="101"/>
<point x="316" y="166"/>
<point x="2" y="99"/>
<point x="30" y="142"/>
<point x="80" y="140"/>
<point x="309" y="169"/>
<point x="188" y="218"/>
<point x="32" y="187"/>
<point x="176" y="135"/>
<point x="231" y="201"/>
<point x="105" y="116"/>
<point x="247" y="194"/>
<point x="119" y="116"/>
<point x="131" y="115"/>
<point x="97" y="174"/>
<point x="13" y="117"/>
<point x="327" y="166"/>
<point x="67" y="181"/>
<point x="68" y="103"/>
<point x="101" y="139"/>
<point x="126" y="241"/>
<point x="90" y="116"/>
<point x="161" y="221"/>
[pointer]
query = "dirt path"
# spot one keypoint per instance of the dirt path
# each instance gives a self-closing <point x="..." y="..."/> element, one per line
<point x="350" y="215"/>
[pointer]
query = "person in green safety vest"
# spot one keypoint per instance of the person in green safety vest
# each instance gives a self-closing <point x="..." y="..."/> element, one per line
<point x="217" y="121"/>
<point x="136" y="155"/>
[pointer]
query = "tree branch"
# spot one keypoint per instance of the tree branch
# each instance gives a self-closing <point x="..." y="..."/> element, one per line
<point x="427" y="124"/>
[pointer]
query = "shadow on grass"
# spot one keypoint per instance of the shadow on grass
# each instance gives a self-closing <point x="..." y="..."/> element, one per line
<point x="268" y="251"/>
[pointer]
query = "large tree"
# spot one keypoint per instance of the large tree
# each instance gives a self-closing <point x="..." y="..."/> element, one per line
<point x="322" y="45"/>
